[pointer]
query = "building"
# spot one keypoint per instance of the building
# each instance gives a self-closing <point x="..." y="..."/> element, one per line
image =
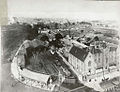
<point x="106" y="56"/>
<point x="93" y="60"/>
<point x="97" y="55"/>
<point x="85" y="24"/>
<point x="82" y="61"/>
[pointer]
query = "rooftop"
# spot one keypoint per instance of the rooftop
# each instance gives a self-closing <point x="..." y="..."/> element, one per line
<point x="80" y="44"/>
<point x="79" y="53"/>
<point x="94" y="50"/>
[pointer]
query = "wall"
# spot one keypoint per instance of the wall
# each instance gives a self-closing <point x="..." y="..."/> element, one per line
<point x="76" y="63"/>
<point x="92" y="66"/>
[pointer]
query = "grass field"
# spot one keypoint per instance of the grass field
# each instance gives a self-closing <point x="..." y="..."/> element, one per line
<point x="45" y="62"/>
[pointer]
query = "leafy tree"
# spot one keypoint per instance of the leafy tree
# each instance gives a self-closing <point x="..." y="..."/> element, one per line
<point x="44" y="38"/>
<point x="33" y="32"/>
<point x="96" y="38"/>
<point x="56" y="43"/>
<point x="73" y="23"/>
<point x="47" y="26"/>
<point x="56" y="26"/>
<point x="41" y="25"/>
<point x="58" y="36"/>
<point x="82" y="31"/>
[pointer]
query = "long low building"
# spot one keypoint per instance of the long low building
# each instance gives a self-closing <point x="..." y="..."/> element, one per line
<point x="35" y="76"/>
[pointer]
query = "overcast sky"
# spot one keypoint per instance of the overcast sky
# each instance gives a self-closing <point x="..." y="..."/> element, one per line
<point x="73" y="9"/>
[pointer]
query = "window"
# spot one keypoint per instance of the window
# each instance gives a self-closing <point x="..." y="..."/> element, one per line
<point x="106" y="67"/>
<point x="89" y="63"/>
<point x="99" y="60"/>
<point x="82" y="31"/>
<point x="89" y="70"/>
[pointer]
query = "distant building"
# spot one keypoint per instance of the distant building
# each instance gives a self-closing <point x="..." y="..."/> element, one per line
<point x="85" y="24"/>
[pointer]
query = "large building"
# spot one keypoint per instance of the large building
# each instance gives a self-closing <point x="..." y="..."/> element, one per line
<point x="93" y="60"/>
<point x="82" y="61"/>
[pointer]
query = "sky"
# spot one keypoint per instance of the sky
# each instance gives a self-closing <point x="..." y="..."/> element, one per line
<point x="71" y="9"/>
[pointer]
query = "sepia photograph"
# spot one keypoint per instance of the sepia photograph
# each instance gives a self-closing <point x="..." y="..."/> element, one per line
<point x="60" y="46"/>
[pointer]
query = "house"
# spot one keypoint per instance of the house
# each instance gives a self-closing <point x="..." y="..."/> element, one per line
<point x="82" y="61"/>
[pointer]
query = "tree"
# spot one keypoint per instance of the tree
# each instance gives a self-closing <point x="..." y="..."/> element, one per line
<point x="96" y="38"/>
<point x="41" y="25"/>
<point x="73" y="23"/>
<point x="82" y="31"/>
<point x="56" y="43"/>
<point x="44" y="38"/>
<point x="33" y="32"/>
<point x="58" y="36"/>
<point x="56" y="26"/>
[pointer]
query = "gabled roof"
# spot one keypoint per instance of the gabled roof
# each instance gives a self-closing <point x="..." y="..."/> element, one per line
<point x="79" y="53"/>
<point x="95" y="51"/>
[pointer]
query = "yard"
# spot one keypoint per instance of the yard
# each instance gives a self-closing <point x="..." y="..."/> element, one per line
<point x="45" y="62"/>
